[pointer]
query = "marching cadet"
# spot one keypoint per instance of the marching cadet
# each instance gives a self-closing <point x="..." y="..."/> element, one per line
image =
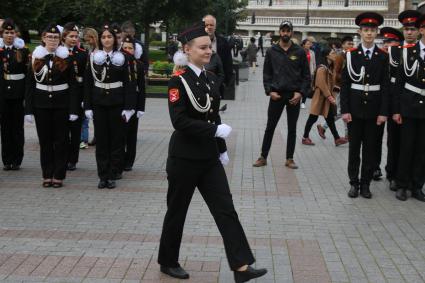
<point x="391" y="38"/>
<point x="409" y="112"/>
<point x="110" y="100"/>
<point x="77" y="59"/>
<point x="14" y="60"/>
<point x="196" y="156"/>
<point x="364" y="102"/>
<point x="51" y="96"/>
<point x="408" y="19"/>
<point x="134" y="50"/>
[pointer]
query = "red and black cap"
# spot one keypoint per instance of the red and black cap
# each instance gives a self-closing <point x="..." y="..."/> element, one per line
<point x="369" y="19"/>
<point x="421" y="21"/>
<point x="391" y="34"/>
<point x="409" y="18"/>
<point x="196" y="30"/>
<point x="52" y="28"/>
<point x="8" y="24"/>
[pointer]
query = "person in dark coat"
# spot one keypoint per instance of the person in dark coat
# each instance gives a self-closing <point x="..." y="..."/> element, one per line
<point x="364" y="103"/>
<point x="110" y="100"/>
<point x="78" y="60"/>
<point x="52" y="98"/>
<point x="134" y="52"/>
<point x="196" y="156"/>
<point x="14" y="60"/>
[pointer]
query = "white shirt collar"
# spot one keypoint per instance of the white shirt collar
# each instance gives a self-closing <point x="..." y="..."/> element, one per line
<point x="421" y="46"/>
<point x="110" y="53"/>
<point x="365" y="49"/>
<point x="194" y="68"/>
<point x="8" y="46"/>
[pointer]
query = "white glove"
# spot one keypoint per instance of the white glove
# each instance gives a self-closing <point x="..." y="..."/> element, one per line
<point x="140" y="114"/>
<point x="223" y="131"/>
<point x="127" y="114"/>
<point x="29" y="118"/>
<point x="73" y="117"/>
<point x="224" y="158"/>
<point x="89" y="114"/>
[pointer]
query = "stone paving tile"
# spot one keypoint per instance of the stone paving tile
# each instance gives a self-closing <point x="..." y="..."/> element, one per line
<point x="300" y="223"/>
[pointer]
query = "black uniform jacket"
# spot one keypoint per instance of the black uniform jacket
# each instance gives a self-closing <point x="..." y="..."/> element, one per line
<point x="364" y="104"/>
<point x="138" y="74"/>
<point x="406" y="102"/>
<point x="394" y="57"/>
<point x="124" y="96"/>
<point x="63" y="99"/>
<point x="286" y="72"/>
<point x="14" y="89"/>
<point x="78" y="59"/>
<point x="194" y="135"/>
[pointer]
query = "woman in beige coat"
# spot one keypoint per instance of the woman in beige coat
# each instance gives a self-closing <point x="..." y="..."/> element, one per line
<point x="324" y="98"/>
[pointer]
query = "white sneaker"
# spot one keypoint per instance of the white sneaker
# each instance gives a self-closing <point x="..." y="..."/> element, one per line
<point x="84" y="145"/>
<point x="302" y="106"/>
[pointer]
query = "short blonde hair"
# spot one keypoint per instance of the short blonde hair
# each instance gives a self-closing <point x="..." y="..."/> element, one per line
<point x="91" y="32"/>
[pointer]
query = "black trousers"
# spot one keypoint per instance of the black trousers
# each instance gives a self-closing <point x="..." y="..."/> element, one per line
<point x="393" y="145"/>
<point x="210" y="178"/>
<point x="12" y="132"/>
<point x="362" y="149"/>
<point x="411" y="165"/>
<point x="273" y="115"/>
<point x="330" y="120"/>
<point x="131" y="141"/>
<point x="75" y="138"/>
<point x="110" y="134"/>
<point x="52" y="130"/>
<point x="380" y="136"/>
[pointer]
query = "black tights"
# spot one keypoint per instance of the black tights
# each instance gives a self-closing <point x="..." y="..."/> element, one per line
<point x="313" y="119"/>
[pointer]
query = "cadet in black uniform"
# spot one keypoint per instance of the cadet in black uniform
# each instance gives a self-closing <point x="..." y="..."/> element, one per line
<point x="78" y="59"/>
<point x="134" y="50"/>
<point x="392" y="38"/>
<point x="409" y="112"/>
<point x="364" y="102"/>
<point x="51" y="96"/>
<point x="286" y="78"/>
<point x="110" y="100"/>
<point x="196" y="153"/>
<point x="14" y="59"/>
<point x="408" y="19"/>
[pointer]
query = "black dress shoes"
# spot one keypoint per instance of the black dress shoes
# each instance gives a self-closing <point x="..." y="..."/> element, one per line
<point x="102" y="184"/>
<point x="71" y="167"/>
<point x="418" y="194"/>
<point x="248" y="274"/>
<point x="354" y="191"/>
<point x="393" y="186"/>
<point x="7" y="167"/>
<point x="128" y="168"/>
<point x="377" y="175"/>
<point x="110" y="184"/>
<point x="15" y="167"/>
<point x="117" y="176"/>
<point x="401" y="194"/>
<point x="365" y="191"/>
<point x="176" y="272"/>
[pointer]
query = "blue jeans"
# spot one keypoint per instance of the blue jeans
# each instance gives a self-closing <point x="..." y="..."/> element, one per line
<point x="85" y="131"/>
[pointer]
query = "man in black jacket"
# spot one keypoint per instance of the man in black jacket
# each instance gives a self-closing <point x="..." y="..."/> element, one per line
<point x="364" y="102"/>
<point x="286" y="78"/>
<point x="221" y="47"/>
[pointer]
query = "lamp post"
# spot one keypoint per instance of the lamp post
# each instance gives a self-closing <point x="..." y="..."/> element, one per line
<point x="307" y="16"/>
<point x="346" y="3"/>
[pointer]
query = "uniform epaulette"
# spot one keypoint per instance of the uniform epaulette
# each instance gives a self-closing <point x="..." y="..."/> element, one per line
<point x="352" y="49"/>
<point x="81" y="49"/>
<point x="179" y="72"/>
<point x="409" y="45"/>
<point x="383" y="50"/>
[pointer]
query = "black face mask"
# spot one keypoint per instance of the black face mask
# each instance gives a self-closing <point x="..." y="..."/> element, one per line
<point x="285" y="38"/>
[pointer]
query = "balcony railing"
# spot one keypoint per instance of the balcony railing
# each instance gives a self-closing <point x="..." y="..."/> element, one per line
<point x="325" y="4"/>
<point x="314" y="22"/>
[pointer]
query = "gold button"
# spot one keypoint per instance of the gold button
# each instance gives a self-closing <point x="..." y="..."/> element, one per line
<point x="421" y="102"/>
<point x="50" y="96"/>
<point x="211" y="111"/>
<point x="209" y="121"/>
<point x="367" y="84"/>
<point x="211" y="98"/>
<point x="367" y="76"/>
<point x="50" y="71"/>
<point x="366" y="94"/>
<point x="107" y="77"/>
<point x="8" y="87"/>
<point x="365" y="102"/>
<point x="107" y="92"/>
<point x="423" y="80"/>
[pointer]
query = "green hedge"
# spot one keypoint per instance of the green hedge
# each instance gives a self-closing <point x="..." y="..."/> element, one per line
<point x="157" y="55"/>
<point x="162" y="68"/>
<point x="157" y="43"/>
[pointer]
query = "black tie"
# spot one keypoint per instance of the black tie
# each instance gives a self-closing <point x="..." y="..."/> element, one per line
<point x="368" y="54"/>
<point x="49" y="57"/>
<point x="203" y="77"/>
<point x="108" y="59"/>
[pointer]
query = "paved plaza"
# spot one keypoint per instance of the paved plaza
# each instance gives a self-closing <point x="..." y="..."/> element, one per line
<point x="300" y="223"/>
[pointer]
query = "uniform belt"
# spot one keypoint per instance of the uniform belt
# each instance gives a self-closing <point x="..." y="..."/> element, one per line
<point x="14" y="77"/>
<point x="392" y="80"/>
<point x="414" y="89"/>
<point x="51" y="88"/>
<point x="108" y="85"/>
<point x="79" y="79"/>
<point x="366" y="88"/>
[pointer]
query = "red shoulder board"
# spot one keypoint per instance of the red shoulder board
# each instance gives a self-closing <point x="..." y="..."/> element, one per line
<point x="179" y="72"/>
<point x="352" y="49"/>
<point x="409" y="45"/>
<point x="81" y="49"/>
<point x="383" y="50"/>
